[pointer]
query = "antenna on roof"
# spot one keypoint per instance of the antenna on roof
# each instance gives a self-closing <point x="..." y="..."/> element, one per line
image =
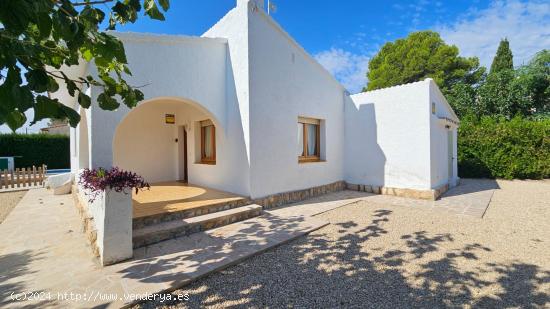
<point x="271" y="7"/>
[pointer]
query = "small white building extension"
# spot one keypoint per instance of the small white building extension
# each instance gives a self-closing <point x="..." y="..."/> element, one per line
<point x="245" y="109"/>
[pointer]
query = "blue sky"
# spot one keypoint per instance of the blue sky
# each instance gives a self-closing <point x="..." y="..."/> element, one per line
<point x="343" y="35"/>
<point x="359" y="26"/>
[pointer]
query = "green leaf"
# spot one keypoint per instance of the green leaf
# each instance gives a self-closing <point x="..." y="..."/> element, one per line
<point x="38" y="80"/>
<point x="165" y="4"/>
<point x="15" y="120"/>
<point x="23" y="97"/>
<point x="107" y="103"/>
<point x="72" y="115"/>
<point x="45" y="108"/>
<point x="44" y="24"/>
<point x="39" y="34"/>
<point x="71" y="87"/>
<point x="84" y="100"/>
<point x="152" y="10"/>
<point x="15" y="15"/>
<point x="53" y="86"/>
<point x="87" y="55"/>
<point x="52" y="108"/>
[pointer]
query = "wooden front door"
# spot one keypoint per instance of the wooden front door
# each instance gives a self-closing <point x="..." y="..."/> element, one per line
<point x="182" y="154"/>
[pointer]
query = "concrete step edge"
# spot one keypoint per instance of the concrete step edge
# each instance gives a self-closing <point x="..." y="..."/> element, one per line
<point x="201" y="222"/>
<point x="145" y="221"/>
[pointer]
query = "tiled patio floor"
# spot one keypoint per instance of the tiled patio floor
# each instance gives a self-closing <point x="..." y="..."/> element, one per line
<point x="176" y="196"/>
<point x="470" y="198"/>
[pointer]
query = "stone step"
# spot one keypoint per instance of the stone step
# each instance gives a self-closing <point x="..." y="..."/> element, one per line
<point x="141" y="222"/>
<point x="182" y="227"/>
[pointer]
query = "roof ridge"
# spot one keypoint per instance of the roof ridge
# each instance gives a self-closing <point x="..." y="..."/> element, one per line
<point x="395" y="86"/>
<point x="161" y="37"/>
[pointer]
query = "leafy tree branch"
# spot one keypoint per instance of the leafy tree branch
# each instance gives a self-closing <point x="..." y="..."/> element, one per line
<point x="40" y="39"/>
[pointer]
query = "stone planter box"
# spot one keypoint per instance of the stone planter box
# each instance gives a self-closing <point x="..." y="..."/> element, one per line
<point x="111" y="213"/>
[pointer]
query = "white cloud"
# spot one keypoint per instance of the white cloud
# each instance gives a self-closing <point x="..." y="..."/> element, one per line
<point x="349" y="68"/>
<point x="525" y="24"/>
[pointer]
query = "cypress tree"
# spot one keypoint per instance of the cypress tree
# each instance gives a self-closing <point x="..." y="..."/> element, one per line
<point x="503" y="59"/>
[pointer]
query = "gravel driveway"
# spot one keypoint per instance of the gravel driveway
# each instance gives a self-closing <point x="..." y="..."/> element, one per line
<point x="8" y="200"/>
<point x="382" y="256"/>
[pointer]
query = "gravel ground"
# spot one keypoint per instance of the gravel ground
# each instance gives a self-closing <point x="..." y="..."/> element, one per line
<point x="8" y="200"/>
<point x="380" y="256"/>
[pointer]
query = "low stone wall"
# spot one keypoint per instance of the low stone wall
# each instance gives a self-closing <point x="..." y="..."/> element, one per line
<point x="431" y="195"/>
<point x="88" y="225"/>
<point x="299" y="195"/>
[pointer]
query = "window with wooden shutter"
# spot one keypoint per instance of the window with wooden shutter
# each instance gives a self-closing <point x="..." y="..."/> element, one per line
<point x="309" y="139"/>
<point x="208" y="142"/>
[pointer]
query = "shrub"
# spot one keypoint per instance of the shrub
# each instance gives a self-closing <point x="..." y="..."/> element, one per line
<point x="99" y="180"/>
<point x="499" y="148"/>
<point x="37" y="149"/>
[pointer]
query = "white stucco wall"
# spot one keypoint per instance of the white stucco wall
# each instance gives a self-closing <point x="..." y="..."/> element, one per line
<point x="254" y="80"/>
<point x="387" y="135"/>
<point x="144" y="143"/>
<point x="439" y="152"/>
<point x="234" y="28"/>
<point x="285" y="82"/>
<point x="80" y="142"/>
<point x="189" y="69"/>
<point x="169" y="66"/>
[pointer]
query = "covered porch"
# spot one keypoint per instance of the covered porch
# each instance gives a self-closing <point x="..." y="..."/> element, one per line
<point x="176" y="196"/>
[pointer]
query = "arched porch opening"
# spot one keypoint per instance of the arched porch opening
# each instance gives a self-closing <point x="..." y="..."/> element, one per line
<point x="162" y="140"/>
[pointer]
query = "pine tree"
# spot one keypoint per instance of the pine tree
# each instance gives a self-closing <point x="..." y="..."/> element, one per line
<point x="418" y="56"/>
<point x="503" y="59"/>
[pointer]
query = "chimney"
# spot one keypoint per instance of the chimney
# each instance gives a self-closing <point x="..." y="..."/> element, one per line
<point x="254" y="3"/>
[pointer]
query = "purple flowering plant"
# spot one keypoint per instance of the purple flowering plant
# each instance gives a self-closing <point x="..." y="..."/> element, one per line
<point x="99" y="180"/>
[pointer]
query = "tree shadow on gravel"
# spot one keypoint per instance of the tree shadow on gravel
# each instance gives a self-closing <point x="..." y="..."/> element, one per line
<point x="333" y="268"/>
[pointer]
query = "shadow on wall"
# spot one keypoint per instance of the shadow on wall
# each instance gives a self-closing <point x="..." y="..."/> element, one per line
<point x="84" y="144"/>
<point x="235" y="123"/>
<point x="366" y="160"/>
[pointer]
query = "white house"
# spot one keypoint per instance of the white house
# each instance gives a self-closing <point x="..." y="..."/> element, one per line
<point x="245" y="109"/>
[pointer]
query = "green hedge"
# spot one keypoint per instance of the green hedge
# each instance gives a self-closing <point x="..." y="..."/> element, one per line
<point x="500" y="148"/>
<point x="37" y="149"/>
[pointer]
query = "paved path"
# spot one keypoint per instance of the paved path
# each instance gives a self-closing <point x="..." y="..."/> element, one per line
<point x="384" y="256"/>
<point x="44" y="250"/>
<point x="8" y="200"/>
<point x="471" y="198"/>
